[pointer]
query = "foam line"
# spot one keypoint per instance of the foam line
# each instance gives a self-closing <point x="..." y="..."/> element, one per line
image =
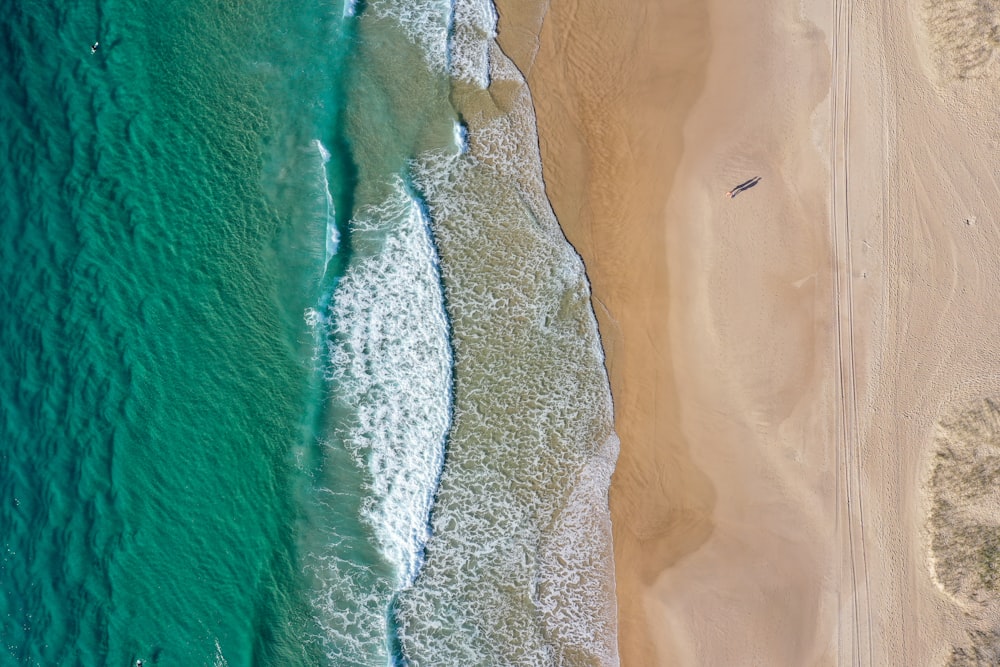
<point x="332" y="235"/>
<point x="388" y="358"/>
<point x="425" y="22"/>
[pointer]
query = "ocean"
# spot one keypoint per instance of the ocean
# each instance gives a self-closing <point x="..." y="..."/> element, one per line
<point x="297" y="365"/>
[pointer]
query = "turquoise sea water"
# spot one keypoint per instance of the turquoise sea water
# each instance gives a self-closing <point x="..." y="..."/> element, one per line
<point x="296" y="366"/>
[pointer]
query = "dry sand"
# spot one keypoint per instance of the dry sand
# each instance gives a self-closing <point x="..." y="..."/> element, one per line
<point x="787" y="365"/>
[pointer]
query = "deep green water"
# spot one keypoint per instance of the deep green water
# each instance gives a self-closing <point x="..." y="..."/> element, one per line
<point x="154" y="265"/>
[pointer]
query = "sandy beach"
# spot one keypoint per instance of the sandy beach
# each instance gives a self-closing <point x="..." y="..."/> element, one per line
<point x="800" y="371"/>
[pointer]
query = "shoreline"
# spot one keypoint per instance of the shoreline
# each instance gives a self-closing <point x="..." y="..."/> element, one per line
<point x="638" y="143"/>
<point x="799" y="374"/>
<point x="661" y="502"/>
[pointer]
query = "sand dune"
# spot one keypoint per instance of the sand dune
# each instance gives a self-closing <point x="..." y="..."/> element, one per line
<point x="964" y="523"/>
<point x="788" y="363"/>
<point x="965" y="37"/>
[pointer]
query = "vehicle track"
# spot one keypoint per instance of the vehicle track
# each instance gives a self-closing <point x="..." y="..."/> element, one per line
<point x="889" y="295"/>
<point x="850" y="526"/>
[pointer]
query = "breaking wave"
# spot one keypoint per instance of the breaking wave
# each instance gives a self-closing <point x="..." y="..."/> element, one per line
<point x="387" y="356"/>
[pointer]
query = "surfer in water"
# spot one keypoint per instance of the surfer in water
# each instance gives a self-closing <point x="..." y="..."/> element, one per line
<point x="93" y="47"/>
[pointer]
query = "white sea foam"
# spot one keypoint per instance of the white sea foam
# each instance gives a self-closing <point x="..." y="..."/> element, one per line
<point x="573" y="564"/>
<point x="351" y="602"/>
<point x="220" y="660"/>
<point x="460" y="138"/>
<point x="391" y="365"/>
<point x="473" y="31"/>
<point x="324" y="154"/>
<point x="519" y="567"/>
<point x="313" y="319"/>
<point x="332" y="235"/>
<point x="424" y="22"/>
<point x="388" y="360"/>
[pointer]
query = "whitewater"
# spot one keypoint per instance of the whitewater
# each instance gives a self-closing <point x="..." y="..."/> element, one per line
<point x="469" y="380"/>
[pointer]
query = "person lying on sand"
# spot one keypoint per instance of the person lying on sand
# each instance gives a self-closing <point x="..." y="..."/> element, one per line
<point x="745" y="185"/>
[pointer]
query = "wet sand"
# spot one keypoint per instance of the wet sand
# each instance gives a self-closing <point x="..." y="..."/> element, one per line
<point x="701" y="384"/>
<point x="784" y="362"/>
<point x="610" y="107"/>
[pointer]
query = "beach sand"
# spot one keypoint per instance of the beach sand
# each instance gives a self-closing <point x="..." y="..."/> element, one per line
<point x="610" y="108"/>
<point x="781" y="362"/>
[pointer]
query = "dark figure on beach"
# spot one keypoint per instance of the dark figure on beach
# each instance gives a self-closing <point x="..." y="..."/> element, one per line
<point x="745" y="185"/>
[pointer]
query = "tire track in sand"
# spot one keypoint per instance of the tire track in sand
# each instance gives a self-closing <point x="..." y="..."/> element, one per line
<point x="851" y="520"/>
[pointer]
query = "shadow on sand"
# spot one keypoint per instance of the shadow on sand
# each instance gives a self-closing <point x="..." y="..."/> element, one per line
<point x="745" y="185"/>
